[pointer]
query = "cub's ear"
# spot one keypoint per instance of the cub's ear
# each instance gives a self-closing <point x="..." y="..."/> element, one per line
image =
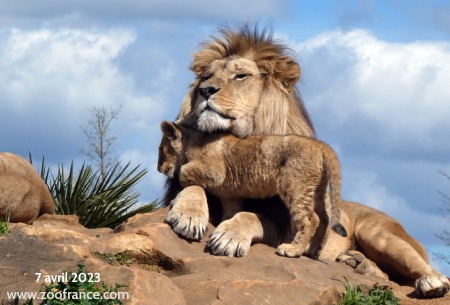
<point x="170" y="130"/>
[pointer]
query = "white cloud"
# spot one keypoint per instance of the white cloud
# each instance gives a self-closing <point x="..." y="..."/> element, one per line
<point x="64" y="69"/>
<point x="398" y="90"/>
<point x="49" y="80"/>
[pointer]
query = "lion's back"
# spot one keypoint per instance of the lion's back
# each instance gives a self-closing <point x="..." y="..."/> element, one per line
<point x="23" y="194"/>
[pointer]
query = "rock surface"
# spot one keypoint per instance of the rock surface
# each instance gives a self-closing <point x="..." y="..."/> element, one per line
<point x="158" y="267"/>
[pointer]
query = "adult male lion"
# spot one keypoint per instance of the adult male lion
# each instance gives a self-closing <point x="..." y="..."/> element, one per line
<point x="245" y="84"/>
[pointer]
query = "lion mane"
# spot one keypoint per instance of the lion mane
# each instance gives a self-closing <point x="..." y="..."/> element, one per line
<point x="281" y="109"/>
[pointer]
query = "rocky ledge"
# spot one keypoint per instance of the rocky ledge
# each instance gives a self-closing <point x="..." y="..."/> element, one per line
<point x="158" y="267"/>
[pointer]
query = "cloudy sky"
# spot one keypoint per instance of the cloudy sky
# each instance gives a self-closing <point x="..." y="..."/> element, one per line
<point x="375" y="78"/>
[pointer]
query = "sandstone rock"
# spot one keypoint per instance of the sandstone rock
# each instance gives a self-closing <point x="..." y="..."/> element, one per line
<point x="158" y="267"/>
<point x="23" y="194"/>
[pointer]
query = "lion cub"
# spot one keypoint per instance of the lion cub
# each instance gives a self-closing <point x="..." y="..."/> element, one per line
<point x="296" y="168"/>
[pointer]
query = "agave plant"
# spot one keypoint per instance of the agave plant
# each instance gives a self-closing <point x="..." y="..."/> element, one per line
<point x="97" y="201"/>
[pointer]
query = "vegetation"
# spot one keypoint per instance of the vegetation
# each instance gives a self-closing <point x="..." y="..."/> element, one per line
<point x="4" y="225"/>
<point x="378" y="295"/>
<point x="106" y="196"/>
<point x="445" y="235"/>
<point x="97" y="201"/>
<point x="77" y="287"/>
<point x="99" y="139"/>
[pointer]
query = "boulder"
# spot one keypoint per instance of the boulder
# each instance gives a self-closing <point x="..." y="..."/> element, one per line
<point x="158" y="267"/>
<point x="23" y="194"/>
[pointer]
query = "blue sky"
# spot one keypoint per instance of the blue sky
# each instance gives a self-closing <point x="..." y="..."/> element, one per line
<point x="375" y="78"/>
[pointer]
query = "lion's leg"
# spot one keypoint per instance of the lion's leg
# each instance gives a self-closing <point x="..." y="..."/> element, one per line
<point x="188" y="215"/>
<point x="384" y="241"/>
<point x="234" y="236"/>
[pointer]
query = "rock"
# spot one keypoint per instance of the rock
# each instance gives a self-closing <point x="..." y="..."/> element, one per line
<point x="158" y="267"/>
<point x="23" y="194"/>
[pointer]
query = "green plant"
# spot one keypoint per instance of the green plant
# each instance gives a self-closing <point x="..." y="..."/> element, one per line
<point x="98" y="201"/>
<point x="378" y="295"/>
<point x="4" y="225"/>
<point x="74" y="290"/>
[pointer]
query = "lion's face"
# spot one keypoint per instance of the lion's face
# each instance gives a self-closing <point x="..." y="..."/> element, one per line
<point x="228" y="95"/>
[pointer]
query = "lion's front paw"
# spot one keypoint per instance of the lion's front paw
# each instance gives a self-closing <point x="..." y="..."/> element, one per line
<point x="229" y="240"/>
<point x="432" y="285"/>
<point x="289" y="250"/>
<point x="361" y="264"/>
<point x="188" y="215"/>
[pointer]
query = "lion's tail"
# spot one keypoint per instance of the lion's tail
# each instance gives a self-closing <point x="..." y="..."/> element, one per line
<point x="333" y="170"/>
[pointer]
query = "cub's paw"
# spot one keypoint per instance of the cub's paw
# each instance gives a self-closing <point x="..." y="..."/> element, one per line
<point x="289" y="250"/>
<point x="432" y="285"/>
<point x="188" y="215"/>
<point x="230" y="239"/>
<point x="361" y="264"/>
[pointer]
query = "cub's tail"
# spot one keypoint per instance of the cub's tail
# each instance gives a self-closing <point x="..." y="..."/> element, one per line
<point x="333" y="170"/>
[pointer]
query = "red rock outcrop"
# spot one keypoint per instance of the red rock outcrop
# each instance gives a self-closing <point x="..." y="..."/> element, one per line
<point x="158" y="267"/>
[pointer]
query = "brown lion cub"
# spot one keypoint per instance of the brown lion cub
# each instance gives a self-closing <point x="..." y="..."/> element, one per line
<point x="296" y="168"/>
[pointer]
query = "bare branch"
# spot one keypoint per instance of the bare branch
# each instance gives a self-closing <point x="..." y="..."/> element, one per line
<point x="99" y="140"/>
<point x="445" y="235"/>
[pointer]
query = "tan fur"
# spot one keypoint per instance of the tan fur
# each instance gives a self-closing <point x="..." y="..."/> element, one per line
<point x="296" y="168"/>
<point x="253" y="105"/>
<point x="270" y="105"/>
<point x="23" y="194"/>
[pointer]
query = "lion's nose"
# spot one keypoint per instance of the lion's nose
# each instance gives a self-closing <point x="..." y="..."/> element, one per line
<point x="208" y="91"/>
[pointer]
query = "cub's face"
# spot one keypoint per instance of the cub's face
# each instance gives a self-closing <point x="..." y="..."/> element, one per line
<point x="171" y="152"/>
<point x="228" y="95"/>
<point x="170" y="156"/>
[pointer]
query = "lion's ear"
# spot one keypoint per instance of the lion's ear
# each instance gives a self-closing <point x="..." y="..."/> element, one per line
<point x="285" y="70"/>
<point x="170" y="130"/>
<point x="288" y="73"/>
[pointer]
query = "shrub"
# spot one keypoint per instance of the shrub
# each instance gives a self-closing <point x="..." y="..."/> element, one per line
<point x="378" y="295"/>
<point x="4" y="225"/>
<point x="97" y="201"/>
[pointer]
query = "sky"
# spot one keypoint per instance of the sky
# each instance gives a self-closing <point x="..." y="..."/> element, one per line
<point x="375" y="79"/>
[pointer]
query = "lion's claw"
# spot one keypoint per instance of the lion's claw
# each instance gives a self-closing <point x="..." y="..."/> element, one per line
<point x="432" y="285"/>
<point x="188" y="215"/>
<point x="190" y="227"/>
<point x="228" y="240"/>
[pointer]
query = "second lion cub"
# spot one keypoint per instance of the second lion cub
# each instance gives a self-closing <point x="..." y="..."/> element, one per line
<point x="296" y="168"/>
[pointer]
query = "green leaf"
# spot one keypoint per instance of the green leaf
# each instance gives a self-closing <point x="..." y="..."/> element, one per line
<point x="97" y="201"/>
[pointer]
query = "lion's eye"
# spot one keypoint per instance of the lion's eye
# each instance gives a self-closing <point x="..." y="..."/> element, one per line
<point x="240" y="76"/>
<point x="205" y="77"/>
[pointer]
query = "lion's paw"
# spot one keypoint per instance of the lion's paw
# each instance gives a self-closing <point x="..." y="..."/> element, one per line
<point x="361" y="264"/>
<point x="188" y="215"/>
<point x="229" y="240"/>
<point x="289" y="250"/>
<point x="432" y="285"/>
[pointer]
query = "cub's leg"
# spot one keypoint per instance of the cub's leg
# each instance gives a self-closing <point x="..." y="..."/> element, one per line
<point x="384" y="241"/>
<point x="188" y="214"/>
<point x="234" y="236"/>
<point x="197" y="173"/>
<point x="303" y="219"/>
<point x="320" y="222"/>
